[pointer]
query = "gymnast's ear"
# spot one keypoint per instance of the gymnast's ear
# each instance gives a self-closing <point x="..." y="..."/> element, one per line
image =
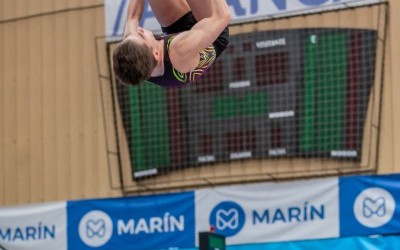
<point x="157" y="55"/>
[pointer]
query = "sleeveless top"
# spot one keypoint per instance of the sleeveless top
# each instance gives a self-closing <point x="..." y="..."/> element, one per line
<point x="172" y="77"/>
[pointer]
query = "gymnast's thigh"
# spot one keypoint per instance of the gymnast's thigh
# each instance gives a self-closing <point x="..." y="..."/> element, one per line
<point x="169" y="11"/>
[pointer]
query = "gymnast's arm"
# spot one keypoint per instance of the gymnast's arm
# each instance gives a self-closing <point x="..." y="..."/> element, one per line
<point x="184" y="49"/>
<point x="135" y="12"/>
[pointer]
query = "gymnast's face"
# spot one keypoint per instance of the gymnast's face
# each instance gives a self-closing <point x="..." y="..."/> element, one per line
<point x="143" y="36"/>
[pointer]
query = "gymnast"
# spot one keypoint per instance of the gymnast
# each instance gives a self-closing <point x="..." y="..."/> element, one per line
<point x="195" y="33"/>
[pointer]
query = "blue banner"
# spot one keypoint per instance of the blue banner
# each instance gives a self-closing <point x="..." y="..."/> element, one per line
<point x="369" y="205"/>
<point x="147" y="222"/>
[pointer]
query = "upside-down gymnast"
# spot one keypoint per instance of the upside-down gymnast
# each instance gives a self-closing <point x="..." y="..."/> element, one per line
<point x="195" y="34"/>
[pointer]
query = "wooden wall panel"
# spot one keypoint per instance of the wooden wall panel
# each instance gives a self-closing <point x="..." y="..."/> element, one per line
<point x="108" y="177"/>
<point x="35" y="110"/>
<point x="22" y="107"/>
<point x="76" y="97"/>
<point x="49" y="109"/>
<point x="89" y="104"/>
<point x="22" y="8"/>
<point x="2" y="104"/>
<point x="17" y="9"/>
<point x="33" y="6"/>
<point x="9" y="118"/>
<point x="54" y="126"/>
<point x="389" y="160"/>
<point x="62" y="102"/>
<point x="46" y="5"/>
<point x="385" y="157"/>
<point x="8" y="9"/>
<point x="395" y="63"/>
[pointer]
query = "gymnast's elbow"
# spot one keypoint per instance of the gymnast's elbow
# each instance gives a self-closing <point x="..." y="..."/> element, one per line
<point x="226" y="17"/>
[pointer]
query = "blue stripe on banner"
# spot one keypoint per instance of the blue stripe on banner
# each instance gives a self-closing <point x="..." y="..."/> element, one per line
<point x="119" y="16"/>
<point x="369" y="205"/>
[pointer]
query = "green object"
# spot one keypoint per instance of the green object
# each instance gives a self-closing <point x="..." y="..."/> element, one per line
<point x="310" y="77"/>
<point x="232" y="106"/>
<point x="150" y="132"/>
<point x="322" y="122"/>
<point x="216" y="242"/>
<point x="255" y="104"/>
<point x="136" y="144"/>
<point x="225" y="107"/>
<point x="211" y="241"/>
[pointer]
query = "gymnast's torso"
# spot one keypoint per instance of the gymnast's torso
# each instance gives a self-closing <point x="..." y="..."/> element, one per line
<point x="172" y="77"/>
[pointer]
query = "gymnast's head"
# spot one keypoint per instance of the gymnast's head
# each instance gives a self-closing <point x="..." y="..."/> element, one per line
<point x="135" y="58"/>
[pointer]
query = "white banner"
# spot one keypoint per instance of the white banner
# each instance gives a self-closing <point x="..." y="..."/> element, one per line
<point x="242" y="11"/>
<point x="35" y="227"/>
<point x="270" y="211"/>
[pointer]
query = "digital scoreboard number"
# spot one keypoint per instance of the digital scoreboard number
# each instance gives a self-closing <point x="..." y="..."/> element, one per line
<point x="282" y="93"/>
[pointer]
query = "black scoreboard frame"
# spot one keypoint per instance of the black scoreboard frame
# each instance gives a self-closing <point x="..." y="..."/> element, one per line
<point x="272" y="135"/>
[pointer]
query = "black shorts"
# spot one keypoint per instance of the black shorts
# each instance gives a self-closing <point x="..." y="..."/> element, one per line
<point x="187" y="21"/>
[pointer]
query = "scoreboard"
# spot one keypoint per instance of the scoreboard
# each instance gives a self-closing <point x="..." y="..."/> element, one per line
<point x="281" y="93"/>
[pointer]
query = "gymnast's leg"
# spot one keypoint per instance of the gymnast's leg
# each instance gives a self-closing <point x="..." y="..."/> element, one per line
<point x="169" y="11"/>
